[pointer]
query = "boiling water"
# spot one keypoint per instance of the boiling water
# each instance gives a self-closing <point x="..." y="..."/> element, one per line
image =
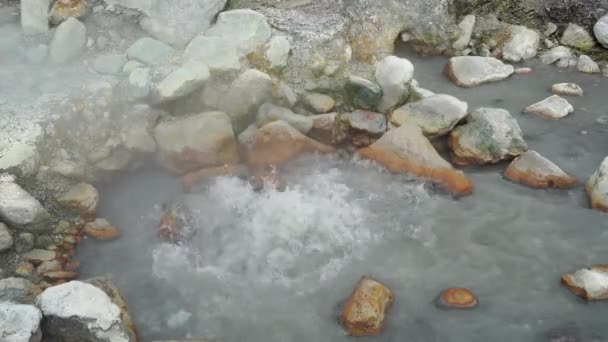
<point x="274" y="266"/>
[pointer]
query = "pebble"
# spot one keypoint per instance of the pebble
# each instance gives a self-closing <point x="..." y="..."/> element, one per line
<point x="456" y="298"/>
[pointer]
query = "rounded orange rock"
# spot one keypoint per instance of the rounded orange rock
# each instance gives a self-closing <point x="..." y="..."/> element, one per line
<point x="457" y="298"/>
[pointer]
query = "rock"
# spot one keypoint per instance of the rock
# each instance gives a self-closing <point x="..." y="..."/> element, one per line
<point x="244" y="28"/>
<point x="548" y="43"/>
<point x="24" y="270"/>
<point x="577" y="37"/>
<point x="437" y="115"/>
<point x="555" y="54"/>
<point x="553" y="107"/>
<point x="82" y="198"/>
<point x="323" y="127"/>
<point x="60" y="276"/>
<point x="283" y="92"/>
<point x="567" y="89"/>
<point x="247" y="138"/>
<point x="587" y="65"/>
<point x="600" y="29"/>
<point x="110" y="64"/>
<point x="319" y="103"/>
<point x="20" y="210"/>
<point x="536" y="171"/>
<point x="597" y="187"/>
<point x="20" y="159"/>
<point x="76" y="311"/>
<point x="245" y="95"/>
<point x="34" y="16"/>
<point x="490" y="135"/>
<point x="570" y="62"/>
<point x="118" y="160"/>
<point x="471" y="71"/>
<point x="149" y="51"/>
<point x="523" y="44"/>
<point x="277" y="51"/>
<point x="219" y="54"/>
<point x="522" y="71"/>
<point x="137" y="129"/>
<point x="589" y="283"/>
<point x="20" y="323"/>
<point x="418" y="93"/>
<point x="456" y="298"/>
<point x="139" y="83"/>
<point x="466" y="29"/>
<point x="270" y="113"/>
<point x="130" y="66"/>
<point x="394" y="75"/>
<point x="365" y="310"/>
<point x="101" y="229"/>
<point x="64" y="9"/>
<point x="18" y="290"/>
<point x="68" y="41"/>
<point x="551" y="29"/>
<point x="24" y="242"/>
<point x="6" y="239"/>
<point x="38" y="256"/>
<point x="363" y="93"/>
<point x="44" y="242"/>
<point x="197" y="177"/>
<point x="407" y="150"/>
<point x="361" y="127"/>
<point x="605" y="71"/>
<point x="49" y="266"/>
<point x="277" y="143"/>
<point x="194" y="142"/>
<point x="181" y="82"/>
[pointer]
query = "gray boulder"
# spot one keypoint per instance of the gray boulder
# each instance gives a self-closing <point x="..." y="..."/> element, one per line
<point x="394" y="75"/>
<point x="6" y="239"/>
<point x="219" y="54"/>
<point x="553" y="107"/>
<point x="567" y="89"/>
<point x="34" y="16"/>
<point x="68" y="41"/>
<point x="139" y="83"/>
<point x="363" y="93"/>
<point x="600" y="29"/>
<point x="187" y="78"/>
<point x="20" y="210"/>
<point x="577" y="37"/>
<point x="21" y="159"/>
<point x="277" y="51"/>
<point x="20" y="323"/>
<point x="110" y="64"/>
<point x="587" y="65"/>
<point x="556" y="54"/>
<point x="244" y="28"/>
<point x="466" y="30"/>
<point x="149" y="51"/>
<point x="18" y="290"/>
<point x="597" y="187"/>
<point x="471" y="71"/>
<point x="82" y="198"/>
<point x="436" y="115"/>
<point x="269" y="113"/>
<point x="523" y="44"/>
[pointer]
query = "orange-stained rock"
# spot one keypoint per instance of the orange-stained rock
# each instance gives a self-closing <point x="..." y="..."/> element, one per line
<point x="534" y="170"/>
<point x="277" y="143"/>
<point x="323" y="127"/>
<point x="456" y="298"/>
<point x="589" y="283"/>
<point x="193" y="178"/>
<point x="101" y="229"/>
<point x="365" y="309"/>
<point x="406" y="149"/>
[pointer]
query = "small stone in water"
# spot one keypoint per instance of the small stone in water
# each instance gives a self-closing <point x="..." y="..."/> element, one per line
<point x="589" y="283"/>
<point x="603" y="120"/>
<point x="567" y="89"/>
<point x="101" y="229"/>
<point x="523" y="71"/>
<point x="365" y="310"/>
<point x="456" y="298"/>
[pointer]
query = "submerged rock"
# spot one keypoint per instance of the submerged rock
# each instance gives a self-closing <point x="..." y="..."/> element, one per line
<point x="269" y="113"/>
<point x="64" y="9"/>
<point x="277" y="142"/>
<point x="536" y="171"/>
<point x="407" y="150"/>
<point x="394" y="75"/>
<point x="34" y="16"/>
<point x="587" y="65"/>
<point x="490" y="135"/>
<point x="363" y="93"/>
<point x="184" y="80"/>
<point x="193" y="142"/>
<point x="600" y="29"/>
<point x="589" y="283"/>
<point x="523" y="44"/>
<point x="149" y="51"/>
<point x="567" y="89"/>
<point x="82" y="198"/>
<point x="555" y="54"/>
<point x="20" y="323"/>
<point x="436" y="115"/>
<point x="20" y="210"/>
<point x="101" y="229"/>
<point x="597" y="187"/>
<point x="471" y="71"/>
<point x="77" y="311"/>
<point x="466" y="30"/>
<point x="456" y="298"/>
<point x="68" y="41"/>
<point x="553" y="107"/>
<point x="365" y="310"/>
<point x="577" y="37"/>
<point x="6" y="239"/>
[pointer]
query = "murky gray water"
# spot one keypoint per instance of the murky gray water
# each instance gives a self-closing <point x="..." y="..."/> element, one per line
<point x="275" y="266"/>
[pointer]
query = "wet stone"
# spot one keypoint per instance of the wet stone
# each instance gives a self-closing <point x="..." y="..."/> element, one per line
<point x="363" y="93"/>
<point x="24" y="242"/>
<point x="365" y="310"/>
<point x="554" y="107"/>
<point x="101" y="229"/>
<point x="567" y="89"/>
<point x="456" y="298"/>
<point x="6" y="239"/>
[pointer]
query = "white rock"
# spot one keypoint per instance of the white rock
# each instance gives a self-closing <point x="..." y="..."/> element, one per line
<point x="523" y="44"/>
<point x="86" y="306"/>
<point x="139" y="83"/>
<point x="244" y="28"/>
<point x="150" y="51"/>
<point x="319" y="103"/>
<point x="567" y="89"/>
<point x="35" y="16"/>
<point x="20" y="323"/>
<point x="137" y="129"/>
<point x="181" y="82"/>
<point x="466" y="29"/>
<point x="20" y="159"/>
<point x="6" y="239"/>
<point x="436" y="115"/>
<point x="130" y="66"/>
<point x="69" y="41"/>
<point x="394" y="75"/>
<point x="555" y="54"/>
<point x="587" y="65"/>
<point x="277" y="51"/>
<point x="553" y="107"/>
<point x="471" y="71"/>
<point x="20" y="210"/>
<point x="269" y="113"/>
<point x="111" y="64"/>
<point x="597" y="187"/>
<point x="577" y="37"/>
<point x="417" y="92"/>
<point x="567" y="62"/>
<point x="551" y="29"/>
<point x="522" y="71"/>
<point x="600" y="29"/>
<point x="219" y="54"/>
<point x="548" y="43"/>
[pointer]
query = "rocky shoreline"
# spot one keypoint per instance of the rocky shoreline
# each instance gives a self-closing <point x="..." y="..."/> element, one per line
<point x="249" y="87"/>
